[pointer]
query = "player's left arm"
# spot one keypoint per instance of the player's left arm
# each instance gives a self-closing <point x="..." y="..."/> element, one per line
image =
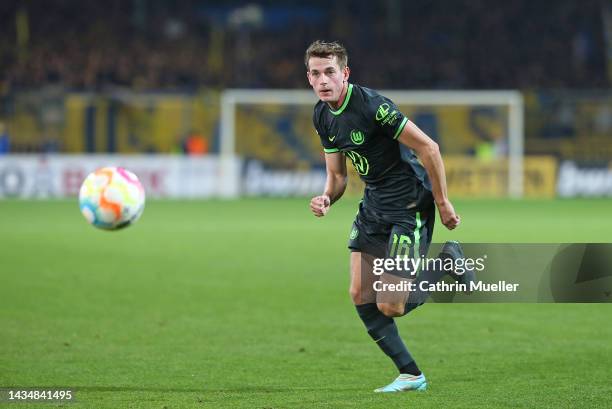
<point x="428" y="152"/>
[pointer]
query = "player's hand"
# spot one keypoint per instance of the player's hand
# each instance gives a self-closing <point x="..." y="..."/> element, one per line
<point x="450" y="219"/>
<point x="319" y="205"/>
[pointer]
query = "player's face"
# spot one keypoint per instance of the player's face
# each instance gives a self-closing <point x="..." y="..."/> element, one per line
<point x="326" y="78"/>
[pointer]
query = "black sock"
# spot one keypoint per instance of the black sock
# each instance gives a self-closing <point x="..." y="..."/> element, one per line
<point x="411" y="369"/>
<point x="384" y="332"/>
<point x="431" y="275"/>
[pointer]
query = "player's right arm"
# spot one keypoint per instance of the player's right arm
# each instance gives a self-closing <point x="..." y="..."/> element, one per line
<point x="335" y="184"/>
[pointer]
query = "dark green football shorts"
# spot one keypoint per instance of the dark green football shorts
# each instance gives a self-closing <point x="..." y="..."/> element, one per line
<point x="394" y="234"/>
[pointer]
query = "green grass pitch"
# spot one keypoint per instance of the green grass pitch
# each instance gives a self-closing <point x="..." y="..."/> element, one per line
<point x="245" y="304"/>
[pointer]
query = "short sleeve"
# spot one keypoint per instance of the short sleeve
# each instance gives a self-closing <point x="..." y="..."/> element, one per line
<point x="327" y="141"/>
<point x="387" y="116"/>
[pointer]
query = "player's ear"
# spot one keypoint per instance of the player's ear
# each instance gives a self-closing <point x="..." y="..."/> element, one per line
<point x="346" y="72"/>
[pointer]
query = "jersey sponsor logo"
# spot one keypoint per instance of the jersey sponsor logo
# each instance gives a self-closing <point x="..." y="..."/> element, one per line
<point x="382" y="111"/>
<point x="331" y="138"/>
<point x="392" y="119"/>
<point x="357" y="137"/>
<point x="384" y="116"/>
<point x="354" y="233"/>
<point x="359" y="162"/>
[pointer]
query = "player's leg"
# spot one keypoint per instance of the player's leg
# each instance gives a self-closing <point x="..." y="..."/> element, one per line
<point x="409" y="242"/>
<point x="389" y="305"/>
<point x="362" y="279"/>
<point x="431" y="273"/>
<point x="404" y="241"/>
<point x="380" y="327"/>
<point x="425" y="221"/>
<point x="392" y="302"/>
<point x="368" y="240"/>
<point x="467" y="276"/>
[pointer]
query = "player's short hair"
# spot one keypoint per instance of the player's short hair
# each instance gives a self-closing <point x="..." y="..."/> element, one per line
<point x="324" y="49"/>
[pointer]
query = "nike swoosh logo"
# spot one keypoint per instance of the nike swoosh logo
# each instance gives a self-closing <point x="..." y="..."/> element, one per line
<point x="331" y="138"/>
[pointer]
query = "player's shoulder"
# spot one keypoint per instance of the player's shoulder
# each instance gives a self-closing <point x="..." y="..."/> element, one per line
<point x="366" y="94"/>
<point x="368" y="99"/>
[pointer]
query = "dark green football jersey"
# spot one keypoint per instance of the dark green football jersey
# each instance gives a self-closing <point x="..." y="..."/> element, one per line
<point x="365" y="129"/>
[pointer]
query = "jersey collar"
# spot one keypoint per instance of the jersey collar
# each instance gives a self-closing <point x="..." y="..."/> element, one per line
<point x="349" y="91"/>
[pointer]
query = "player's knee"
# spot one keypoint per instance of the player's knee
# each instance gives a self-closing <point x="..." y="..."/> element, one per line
<point x="391" y="310"/>
<point x="355" y="293"/>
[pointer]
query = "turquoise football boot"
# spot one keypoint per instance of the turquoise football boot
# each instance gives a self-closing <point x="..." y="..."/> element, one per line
<point x="404" y="383"/>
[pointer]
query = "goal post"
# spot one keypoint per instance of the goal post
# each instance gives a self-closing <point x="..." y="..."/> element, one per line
<point x="510" y="100"/>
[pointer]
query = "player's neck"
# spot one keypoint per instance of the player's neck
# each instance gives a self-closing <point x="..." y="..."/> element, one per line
<point x="336" y="105"/>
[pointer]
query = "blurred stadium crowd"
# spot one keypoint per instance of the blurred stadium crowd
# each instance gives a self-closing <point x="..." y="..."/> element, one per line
<point x="162" y="45"/>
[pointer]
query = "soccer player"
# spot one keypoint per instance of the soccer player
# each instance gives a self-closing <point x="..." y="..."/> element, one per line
<point x="398" y="208"/>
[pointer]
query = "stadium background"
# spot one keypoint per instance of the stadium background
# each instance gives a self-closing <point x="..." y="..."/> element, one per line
<point x="140" y="318"/>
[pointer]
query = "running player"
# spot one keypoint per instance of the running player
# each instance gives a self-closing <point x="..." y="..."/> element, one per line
<point x="397" y="212"/>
